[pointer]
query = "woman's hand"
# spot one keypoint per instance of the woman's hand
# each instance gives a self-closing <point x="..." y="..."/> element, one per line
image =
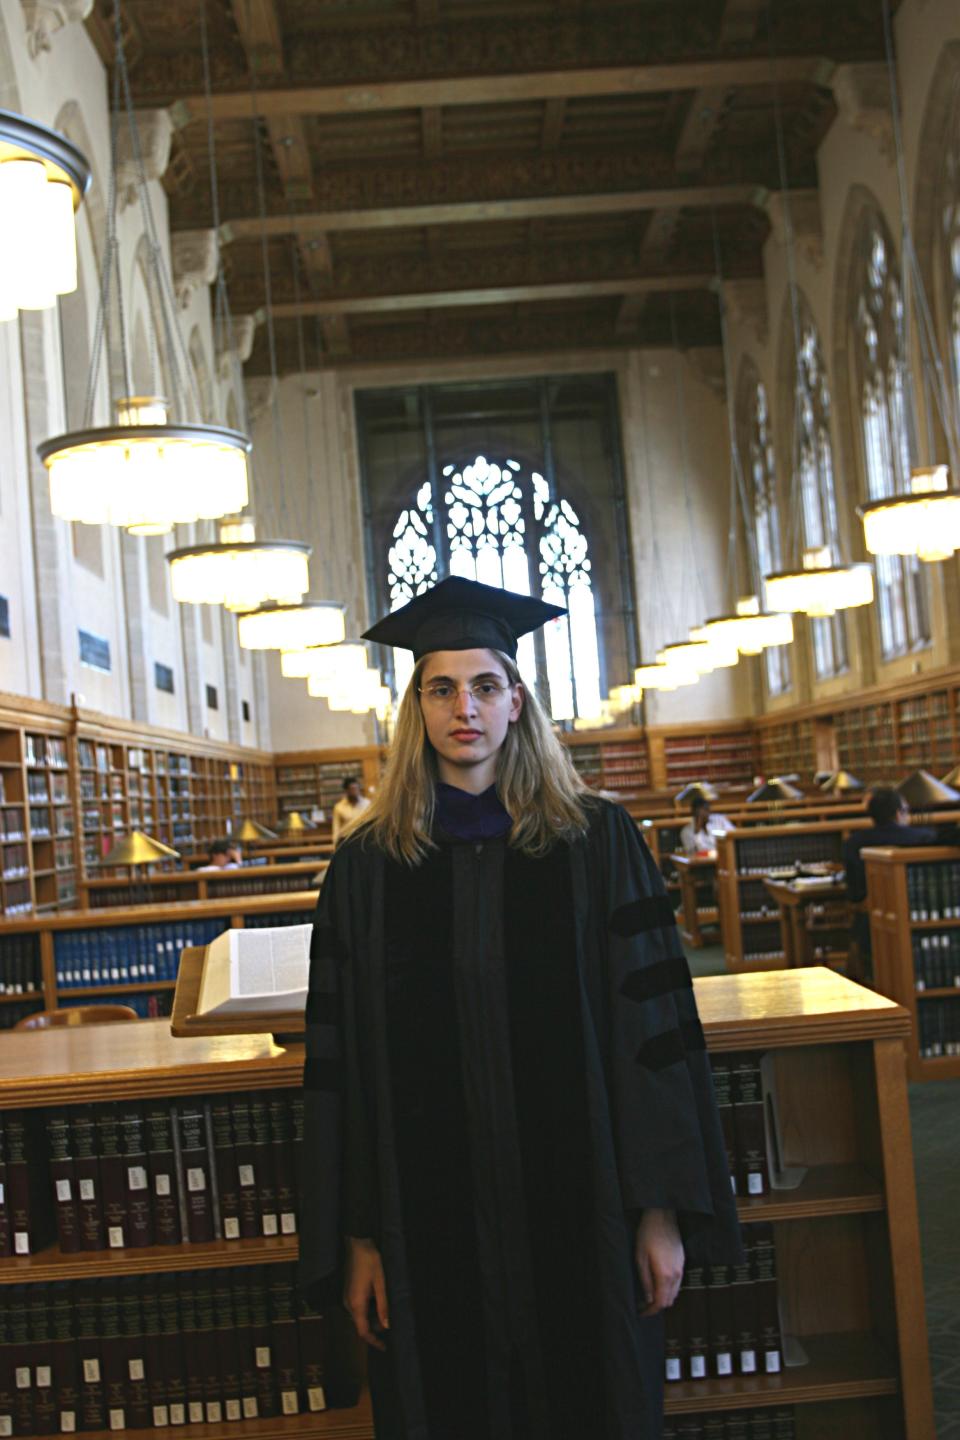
<point x="365" y="1282"/>
<point x="659" y="1256"/>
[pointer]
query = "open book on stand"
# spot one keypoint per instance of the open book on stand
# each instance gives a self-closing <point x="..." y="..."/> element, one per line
<point x="256" y="972"/>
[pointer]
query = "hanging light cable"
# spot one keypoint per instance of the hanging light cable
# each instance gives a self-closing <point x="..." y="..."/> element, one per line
<point x="239" y="571"/>
<point x="820" y="587"/>
<point x="142" y="474"/>
<point x="43" y="179"/>
<point x="926" y="521"/>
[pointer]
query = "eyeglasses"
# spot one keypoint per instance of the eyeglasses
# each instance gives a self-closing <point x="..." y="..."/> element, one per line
<point x="444" y="692"/>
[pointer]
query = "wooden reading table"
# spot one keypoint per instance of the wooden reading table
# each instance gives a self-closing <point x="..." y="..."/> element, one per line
<point x="698" y="911"/>
<point x="802" y="936"/>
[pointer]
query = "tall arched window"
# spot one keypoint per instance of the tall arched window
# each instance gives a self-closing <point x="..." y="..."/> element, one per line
<point x="887" y="428"/>
<point x="813" y="458"/>
<point x="755" y="443"/>
<point x="500" y="525"/>
<point x="949" y="208"/>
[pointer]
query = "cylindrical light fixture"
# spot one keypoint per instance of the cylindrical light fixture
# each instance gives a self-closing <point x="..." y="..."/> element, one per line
<point x="292" y="627"/>
<point x="820" y="588"/>
<point x="925" y="523"/>
<point x="240" y="572"/>
<point x="749" y="630"/>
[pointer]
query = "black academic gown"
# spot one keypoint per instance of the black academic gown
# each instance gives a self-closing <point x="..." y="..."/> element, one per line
<point x="504" y="1069"/>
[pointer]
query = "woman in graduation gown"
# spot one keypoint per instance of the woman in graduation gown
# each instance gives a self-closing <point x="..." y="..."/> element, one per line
<point x="511" y="1140"/>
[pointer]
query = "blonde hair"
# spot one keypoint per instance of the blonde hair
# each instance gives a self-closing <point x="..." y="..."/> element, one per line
<point x="536" y="782"/>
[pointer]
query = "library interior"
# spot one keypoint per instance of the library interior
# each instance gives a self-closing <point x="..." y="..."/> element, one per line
<point x="646" y="310"/>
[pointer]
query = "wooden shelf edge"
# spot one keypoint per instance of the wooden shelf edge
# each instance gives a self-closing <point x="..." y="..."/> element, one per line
<point x="825" y="1190"/>
<point x="138" y="987"/>
<point x="845" y="1366"/>
<point x="50" y="1264"/>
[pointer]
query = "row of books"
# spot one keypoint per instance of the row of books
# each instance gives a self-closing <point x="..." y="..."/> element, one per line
<point x="159" y="1172"/>
<point x="938" y="1026"/>
<point x="777" y="1424"/>
<point x="45" y="750"/>
<point x="127" y="954"/>
<point x="11" y="1015"/>
<point x="726" y="1320"/>
<point x="761" y="854"/>
<point x="153" y="1351"/>
<point x="17" y="899"/>
<point x="738" y="1086"/>
<point x="43" y="787"/>
<point x="19" y="964"/>
<point x="933" y="891"/>
<point x="15" y="862"/>
<point x="11" y="823"/>
<point x="936" y="960"/>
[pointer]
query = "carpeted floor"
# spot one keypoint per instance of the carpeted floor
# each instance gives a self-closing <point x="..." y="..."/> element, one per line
<point x="935" y="1117"/>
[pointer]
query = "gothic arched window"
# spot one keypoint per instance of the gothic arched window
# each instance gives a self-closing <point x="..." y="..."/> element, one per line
<point x="501" y="526"/>
<point x="756" y="452"/>
<point x="949" y="213"/>
<point x="813" y="457"/>
<point x="887" y="429"/>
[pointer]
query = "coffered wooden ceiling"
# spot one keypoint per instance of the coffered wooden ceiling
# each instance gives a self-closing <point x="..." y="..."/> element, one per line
<point x="445" y="178"/>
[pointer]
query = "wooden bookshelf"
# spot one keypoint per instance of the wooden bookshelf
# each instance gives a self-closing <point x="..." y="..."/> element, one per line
<point x="176" y="886"/>
<point x="697" y="875"/>
<point x="179" y="919"/>
<point x="847" y="1241"/>
<point x="308" y="779"/>
<point x="904" y="948"/>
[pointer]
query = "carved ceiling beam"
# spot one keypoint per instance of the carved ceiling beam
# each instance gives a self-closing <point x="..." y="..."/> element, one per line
<point x="554" y="114"/>
<point x="738" y="26"/>
<point x="261" y="35"/>
<point x="431" y="126"/>
<point x="288" y="141"/>
<point x="494" y="295"/>
<point x="466" y="212"/>
<point x="416" y="94"/>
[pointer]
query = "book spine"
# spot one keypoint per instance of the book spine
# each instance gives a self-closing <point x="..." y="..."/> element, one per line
<point x="41" y="1355"/>
<point x="195" y="1163"/>
<point x="283" y="1329"/>
<point x="720" y="1322"/>
<point x="139" y="1210"/>
<point x="261" y="1337"/>
<point x="7" y="1386"/>
<point x="744" y="1317"/>
<point x="171" y="1348"/>
<point x="113" y="1358"/>
<point x="21" y="1359"/>
<point x="162" y="1172"/>
<point x="93" y="1235"/>
<point x="754" y="1176"/>
<point x="263" y="1163"/>
<point x="93" y="1400"/>
<point x="193" y="1372"/>
<point x="113" y="1180"/>
<point x="723" y="1091"/>
<point x="66" y="1370"/>
<point x="209" y="1352"/>
<point x="131" y="1327"/>
<point x="63" y="1180"/>
<point x="228" y="1349"/>
<point x="240" y="1287"/>
<point x="284" y="1176"/>
<point x="696" y="1322"/>
<point x="6" y="1232"/>
<point x="246" y="1166"/>
<point x="312" y="1339"/>
<point x="763" y="1261"/>
<point x="225" y="1168"/>
<point x="23" y="1231"/>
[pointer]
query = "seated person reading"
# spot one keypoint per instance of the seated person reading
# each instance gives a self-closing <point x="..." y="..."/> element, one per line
<point x="890" y="814"/>
<point x="225" y="854"/>
<point x="699" y="835"/>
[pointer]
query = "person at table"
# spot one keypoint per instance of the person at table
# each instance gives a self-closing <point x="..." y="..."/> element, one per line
<point x="890" y="814"/>
<point x="225" y="854"/>
<point x="349" y="807"/>
<point x="699" y="835"/>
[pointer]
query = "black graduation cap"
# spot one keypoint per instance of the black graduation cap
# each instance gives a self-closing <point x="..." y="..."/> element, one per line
<point x="462" y="614"/>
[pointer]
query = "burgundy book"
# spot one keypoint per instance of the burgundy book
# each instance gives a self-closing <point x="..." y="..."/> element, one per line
<point x="763" y="1260"/>
<point x="45" y="1420"/>
<point x="192" y="1371"/>
<point x="86" y="1311"/>
<point x="262" y="1344"/>
<point x="23" y="1223"/>
<point x="753" y="1177"/>
<point x="723" y="1090"/>
<point x="153" y="1352"/>
<point x="720" y="1326"/>
<point x="263" y="1164"/>
<point x="744" y="1317"/>
<point x="311" y="1333"/>
<point x="131" y="1330"/>
<point x="674" y="1341"/>
<point x="225" y="1168"/>
<point x="284" y="1172"/>
<point x="113" y="1357"/>
<point x="240" y="1287"/>
<point x="246" y="1168"/>
<point x="133" y="1140"/>
<point x="63" y="1180"/>
<point x="228" y="1347"/>
<point x="66" y="1367"/>
<point x="93" y="1231"/>
<point x="21" y="1357"/>
<point x="693" y="1298"/>
<point x="283" y="1328"/>
<point x="6" y="1374"/>
<point x="209" y="1353"/>
<point x="6" y="1237"/>
<point x="195" y="1169"/>
<point x="162" y="1170"/>
<point x="171" y="1345"/>
<point x="113" y="1179"/>
<point x="295" y="1098"/>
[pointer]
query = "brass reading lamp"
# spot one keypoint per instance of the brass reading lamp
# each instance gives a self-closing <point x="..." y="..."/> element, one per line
<point x="840" y="782"/>
<point x="775" y="789"/>
<point x="251" y="831"/>
<point x="953" y="777"/>
<point x="696" y="790"/>
<point x="293" y="823"/>
<point x="138" y="850"/>
<point x="923" y="791"/>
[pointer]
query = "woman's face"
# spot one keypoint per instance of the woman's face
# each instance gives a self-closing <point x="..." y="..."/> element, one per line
<point x="468" y="705"/>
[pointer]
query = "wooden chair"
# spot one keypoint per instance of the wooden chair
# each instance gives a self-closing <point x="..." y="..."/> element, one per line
<point x="76" y="1015"/>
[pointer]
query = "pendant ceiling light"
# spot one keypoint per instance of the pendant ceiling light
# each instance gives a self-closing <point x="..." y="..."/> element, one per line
<point x="724" y="656"/>
<point x="291" y="627"/>
<point x="43" y="179"/>
<point x="240" y="572"/>
<point x="926" y="521"/>
<point x="820" y="588"/>
<point x="748" y="630"/>
<point x="700" y="656"/>
<point x="142" y="473"/>
<point x="359" y="693"/>
<point x="324" y="663"/>
<point x="664" y="677"/>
